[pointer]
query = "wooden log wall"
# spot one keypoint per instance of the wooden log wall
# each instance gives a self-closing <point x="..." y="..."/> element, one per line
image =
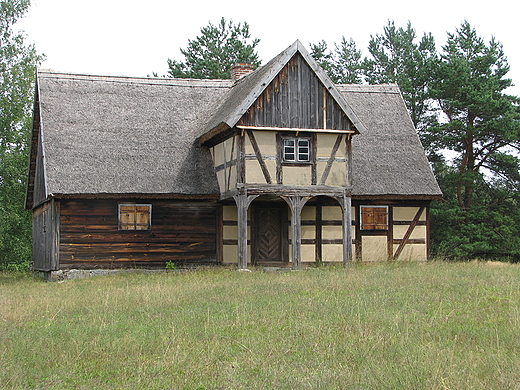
<point x="181" y="232"/>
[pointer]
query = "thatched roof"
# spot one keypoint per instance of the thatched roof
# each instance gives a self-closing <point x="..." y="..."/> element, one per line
<point x="126" y="135"/>
<point x="389" y="158"/>
<point x="121" y="135"/>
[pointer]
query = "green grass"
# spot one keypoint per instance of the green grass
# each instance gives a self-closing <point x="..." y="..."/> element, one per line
<point x="385" y="326"/>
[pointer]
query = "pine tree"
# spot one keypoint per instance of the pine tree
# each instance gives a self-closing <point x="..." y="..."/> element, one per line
<point x="482" y="125"/>
<point x="211" y="55"/>
<point x="398" y="58"/>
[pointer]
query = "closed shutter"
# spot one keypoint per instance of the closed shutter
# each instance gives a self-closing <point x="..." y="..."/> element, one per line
<point x="134" y="216"/>
<point x="142" y="217"/>
<point x="374" y="218"/>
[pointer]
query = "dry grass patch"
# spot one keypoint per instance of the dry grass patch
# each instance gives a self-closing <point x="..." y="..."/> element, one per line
<point x="395" y="326"/>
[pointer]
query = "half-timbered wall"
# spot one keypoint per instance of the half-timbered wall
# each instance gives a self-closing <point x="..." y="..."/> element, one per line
<point x="406" y="237"/>
<point x="182" y="232"/>
<point x="225" y="162"/>
<point x="264" y="165"/>
<point x="230" y="234"/>
<point x="321" y="234"/>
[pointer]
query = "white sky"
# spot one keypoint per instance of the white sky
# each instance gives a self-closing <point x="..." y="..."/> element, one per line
<point x="135" y="38"/>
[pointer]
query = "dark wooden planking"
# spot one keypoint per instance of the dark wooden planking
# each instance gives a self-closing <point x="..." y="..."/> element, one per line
<point x="294" y="99"/>
<point x="46" y="235"/>
<point x="180" y="231"/>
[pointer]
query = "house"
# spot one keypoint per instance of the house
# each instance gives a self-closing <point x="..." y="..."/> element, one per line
<point x="275" y="167"/>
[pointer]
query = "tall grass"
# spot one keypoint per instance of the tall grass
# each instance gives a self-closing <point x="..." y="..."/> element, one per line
<point x="383" y="326"/>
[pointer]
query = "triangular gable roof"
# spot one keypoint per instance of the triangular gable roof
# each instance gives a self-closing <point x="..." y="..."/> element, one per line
<point x="243" y="94"/>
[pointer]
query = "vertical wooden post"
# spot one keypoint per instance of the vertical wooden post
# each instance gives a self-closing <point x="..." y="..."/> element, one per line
<point x="243" y="201"/>
<point x="296" y="204"/>
<point x="348" y="154"/>
<point x="346" y="205"/>
<point x="347" y="230"/>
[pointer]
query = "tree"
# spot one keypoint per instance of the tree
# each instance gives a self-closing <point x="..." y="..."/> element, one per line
<point x="17" y="72"/>
<point x="480" y="212"/>
<point x="397" y="58"/>
<point x="343" y="64"/>
<point x="211" y="55"/>
<point x="482" y="122"/>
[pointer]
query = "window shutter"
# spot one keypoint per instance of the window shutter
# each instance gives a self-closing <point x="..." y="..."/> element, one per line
<point x="374" y="218"/>
<point x="134" y="216"/>
<point x="142" y="217"/>
<point x="126" y="217"/>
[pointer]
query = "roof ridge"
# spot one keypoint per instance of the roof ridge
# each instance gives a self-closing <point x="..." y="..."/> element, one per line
<point x="213" y="83"/>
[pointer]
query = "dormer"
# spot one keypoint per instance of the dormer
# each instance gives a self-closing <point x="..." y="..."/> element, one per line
<point x="283" y="125"/>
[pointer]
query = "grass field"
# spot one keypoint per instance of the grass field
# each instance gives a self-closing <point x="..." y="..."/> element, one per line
<point x="381" y="326"/>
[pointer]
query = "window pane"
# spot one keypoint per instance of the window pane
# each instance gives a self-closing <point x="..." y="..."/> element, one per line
<point x="303" y="150"/>
<point x="288" y="150"/>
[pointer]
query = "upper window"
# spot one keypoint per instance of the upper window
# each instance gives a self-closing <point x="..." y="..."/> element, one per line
<point x="135" y="216"/>
<point x="374" y="217"/>
<point x="296" y="149"/>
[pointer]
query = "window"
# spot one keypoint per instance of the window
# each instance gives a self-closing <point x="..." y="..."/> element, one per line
<point x="374" y="217"/>
<point x="296" y="149"/>
<point x="135" y="216"/>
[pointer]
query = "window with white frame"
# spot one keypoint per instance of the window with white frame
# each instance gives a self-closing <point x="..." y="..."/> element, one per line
<point x="296" y="149"/>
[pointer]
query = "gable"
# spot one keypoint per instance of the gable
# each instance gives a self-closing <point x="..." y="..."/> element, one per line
<point x="296" y="98"/>
<point x="243" y="95"/>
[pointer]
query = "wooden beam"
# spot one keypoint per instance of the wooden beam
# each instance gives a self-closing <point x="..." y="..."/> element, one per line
<point x="408" y="233"/>
<point x="243" y="201"/>
<point x="258" y="155"/>
<point x="296" y="204"/>
<point x="295" y="129"/>
<point x="331" y="160"/>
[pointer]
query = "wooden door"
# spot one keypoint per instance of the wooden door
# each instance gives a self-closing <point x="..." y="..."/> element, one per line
<point x="270" y="234"/>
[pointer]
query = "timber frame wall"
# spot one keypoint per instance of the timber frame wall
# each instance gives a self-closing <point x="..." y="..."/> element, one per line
<point x="407" y="236"/>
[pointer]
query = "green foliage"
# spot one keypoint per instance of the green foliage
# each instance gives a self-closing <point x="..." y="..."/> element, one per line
<point x="17" y="69"/>
<point x="343" y="64"/>
<point x="398" y="58"/>
<point x="211" y="55"/>
<point x="483" y="123"/>
<point x="488" y="229"/>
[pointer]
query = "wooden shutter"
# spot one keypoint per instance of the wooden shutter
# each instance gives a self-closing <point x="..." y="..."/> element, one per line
<point x="127" y="217"/>
<point x="142" y="217"/>
<point x="134" y="216"/>
<point x="374" y="218"/>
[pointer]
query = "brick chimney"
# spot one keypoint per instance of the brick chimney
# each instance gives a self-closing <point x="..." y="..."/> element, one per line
<point x="240" y="70"/>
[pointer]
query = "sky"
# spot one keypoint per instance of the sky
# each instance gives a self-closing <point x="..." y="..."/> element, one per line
<point x="135" y="38"/>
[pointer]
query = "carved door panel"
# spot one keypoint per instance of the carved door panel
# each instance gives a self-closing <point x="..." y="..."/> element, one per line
<point x="270" y="234"/>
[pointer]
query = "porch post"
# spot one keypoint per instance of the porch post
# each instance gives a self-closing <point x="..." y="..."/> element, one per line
<point x="296" y="204"/>
<point x="347" y="230"/>
<point x="243" y="201"/>
<point x="346" y="205"/>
